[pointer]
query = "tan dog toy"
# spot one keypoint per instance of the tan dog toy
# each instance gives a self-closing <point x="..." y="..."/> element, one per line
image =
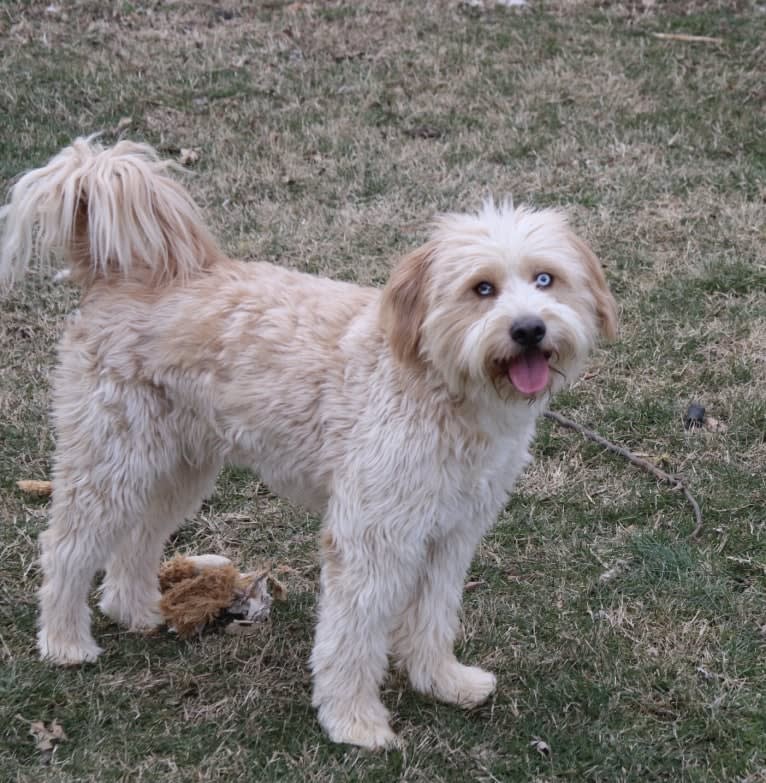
<point x="204" y="589"/>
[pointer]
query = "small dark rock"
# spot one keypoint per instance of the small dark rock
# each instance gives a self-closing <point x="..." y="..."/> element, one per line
<point x="695" y="416"/>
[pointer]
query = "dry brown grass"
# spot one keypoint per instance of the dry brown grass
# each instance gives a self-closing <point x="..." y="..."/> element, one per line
<point x="329" y="134"/>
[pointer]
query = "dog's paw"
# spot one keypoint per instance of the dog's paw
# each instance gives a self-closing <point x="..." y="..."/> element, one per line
<point x="66" y="652"/>
<point x="370" y="731"/>
<point x="465" y="686"/>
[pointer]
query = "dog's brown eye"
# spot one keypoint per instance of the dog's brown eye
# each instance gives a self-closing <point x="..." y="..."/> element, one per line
<point x="484" y="288"/>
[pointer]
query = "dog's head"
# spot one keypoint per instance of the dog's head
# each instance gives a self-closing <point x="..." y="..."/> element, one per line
<point x="509" y="299"/>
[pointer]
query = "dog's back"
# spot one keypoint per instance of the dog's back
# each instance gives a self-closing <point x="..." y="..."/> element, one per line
<point x="177" y="348"/>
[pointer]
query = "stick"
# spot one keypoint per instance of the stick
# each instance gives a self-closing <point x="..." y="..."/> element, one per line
<point x="675" y="481"/>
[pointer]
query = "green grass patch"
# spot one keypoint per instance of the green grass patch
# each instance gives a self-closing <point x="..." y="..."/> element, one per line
<point x="329" y="134"/>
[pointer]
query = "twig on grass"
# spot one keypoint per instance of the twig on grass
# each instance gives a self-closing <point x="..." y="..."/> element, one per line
<point x="675" y="481"/>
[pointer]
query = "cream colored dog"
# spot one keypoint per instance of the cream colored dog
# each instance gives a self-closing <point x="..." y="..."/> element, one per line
<point x="402" y="416"/>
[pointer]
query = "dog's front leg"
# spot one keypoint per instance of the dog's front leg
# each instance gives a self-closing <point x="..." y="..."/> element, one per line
<point x="424" y="638"/>
<point x="366" y="577"/>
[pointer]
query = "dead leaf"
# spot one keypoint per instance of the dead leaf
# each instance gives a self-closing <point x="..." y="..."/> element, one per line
<point x="46" y="737"/>
<point x="613" y="572"/>
<point x="712" y="424"/>
<point x="189" y="156"/>
<point x="34" y="487"/>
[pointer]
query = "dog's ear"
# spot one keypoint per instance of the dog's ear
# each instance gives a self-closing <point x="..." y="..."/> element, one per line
<point x="405" y="303"/>
<point x="606" y="307"/>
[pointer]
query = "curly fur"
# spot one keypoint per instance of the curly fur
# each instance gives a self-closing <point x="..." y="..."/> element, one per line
<point x="391" y="413"/>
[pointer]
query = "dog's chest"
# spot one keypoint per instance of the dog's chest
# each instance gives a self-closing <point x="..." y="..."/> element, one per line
<point x="476" y="484"/>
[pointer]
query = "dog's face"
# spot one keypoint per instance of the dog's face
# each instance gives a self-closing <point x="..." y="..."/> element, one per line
<point x="509" y="299"/>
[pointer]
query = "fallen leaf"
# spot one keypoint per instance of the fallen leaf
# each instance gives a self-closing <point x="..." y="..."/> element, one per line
<point x="189" y="156"/>
<point x="712" y="424"/>
<point x="47" y="737"/>
<point x="614" y="571"/>
<point x="34" y="487"/>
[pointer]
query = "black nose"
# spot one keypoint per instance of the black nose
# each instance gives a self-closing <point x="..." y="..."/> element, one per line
<point x="528" y="331"/>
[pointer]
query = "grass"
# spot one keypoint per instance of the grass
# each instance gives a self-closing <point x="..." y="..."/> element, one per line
<point x="329" y="133"/>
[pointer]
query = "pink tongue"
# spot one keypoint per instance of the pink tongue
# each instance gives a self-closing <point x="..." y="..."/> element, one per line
<point x="529" y="372"/>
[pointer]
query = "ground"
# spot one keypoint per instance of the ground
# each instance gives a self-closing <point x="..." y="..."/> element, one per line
<point x="327" y="135"/>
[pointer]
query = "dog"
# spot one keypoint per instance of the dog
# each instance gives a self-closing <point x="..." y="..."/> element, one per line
<point x="402" y="415"/>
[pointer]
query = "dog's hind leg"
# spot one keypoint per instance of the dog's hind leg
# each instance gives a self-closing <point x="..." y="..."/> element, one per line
<point x="116" y="443"/>
<point x="424" y="640"/>
<point x="71" y="554"/>
<point x="130" y="591"/>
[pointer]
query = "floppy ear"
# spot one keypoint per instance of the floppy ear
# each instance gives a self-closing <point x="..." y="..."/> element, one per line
<point x="606" y="307"/>
<point x="404" y="304"/>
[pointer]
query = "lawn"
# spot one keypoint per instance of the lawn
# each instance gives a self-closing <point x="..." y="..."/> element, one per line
<point x="326" y="136"/>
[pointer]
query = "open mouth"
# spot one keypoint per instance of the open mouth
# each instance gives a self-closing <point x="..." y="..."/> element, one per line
<point x="529" y="371"/>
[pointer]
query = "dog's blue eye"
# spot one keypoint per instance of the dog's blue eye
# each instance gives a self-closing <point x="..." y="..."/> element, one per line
<point x="484" y="288"/>
<point x="543" y="280"/>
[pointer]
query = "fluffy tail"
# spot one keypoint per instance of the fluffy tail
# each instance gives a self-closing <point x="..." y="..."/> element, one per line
<point x="113" y="213"/>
